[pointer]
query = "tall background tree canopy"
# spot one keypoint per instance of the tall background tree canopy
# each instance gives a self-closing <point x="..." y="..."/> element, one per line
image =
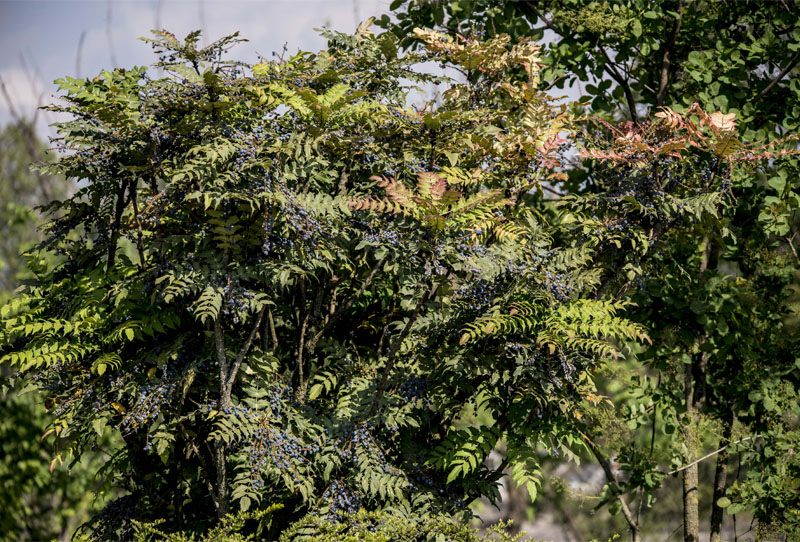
<point x="281" y="289"/>
<point x="721" y="304"/>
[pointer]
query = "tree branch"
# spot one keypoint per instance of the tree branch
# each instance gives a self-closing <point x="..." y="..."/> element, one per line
<point x="715" y="452"/>
<point x="665" y="59"/>
<point x="345" y="307"/>
<point x="395" y="348"/>
<point x="300" y="349"/>
<point x="792" y="63"/>
<point x="140" y="236"/>
<point x="115" y="225"/>
<point x="222" y="359"/>
<point x="539" y="16"/>
<point x="244" y="350"/>
<point x="611" y="69"/>
<point x="605" y="464"/>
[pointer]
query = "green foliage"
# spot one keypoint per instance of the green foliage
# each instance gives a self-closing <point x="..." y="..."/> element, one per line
<point x="362" y="526"/>
<point x="229" y="529"/>
<point x="42" y="499"/>
<point x="719" y="296"/>
<point x="20" y="191"/>
<point x="280" y="284"/>
<point x="382" y="527"/>
<point x="39" y="503"/>
<point x="234" y="297"/>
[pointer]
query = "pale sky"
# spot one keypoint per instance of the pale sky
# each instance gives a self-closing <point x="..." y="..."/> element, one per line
<point x="39" y="39"/>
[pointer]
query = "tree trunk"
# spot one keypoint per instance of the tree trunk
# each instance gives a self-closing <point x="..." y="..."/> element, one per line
<point x="691" y="521"/>
<point x="695" y="376"/>
<point x="721" y="478"/>
<point x="222" y="478"/>
<point x="218" y="454"/>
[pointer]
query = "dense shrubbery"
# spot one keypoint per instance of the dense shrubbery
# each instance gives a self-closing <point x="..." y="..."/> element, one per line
<point x="280" y="284"/>
<point x="359" y="526"/>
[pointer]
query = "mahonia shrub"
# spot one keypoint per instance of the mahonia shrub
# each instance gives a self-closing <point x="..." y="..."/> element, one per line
<point x="281" y="284"/>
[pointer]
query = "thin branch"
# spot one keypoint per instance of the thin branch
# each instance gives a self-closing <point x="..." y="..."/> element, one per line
<point x="792" y="63"/>
<point x="244" y="350"/>
<point x="301" y="388"/>
<point x="395" y="348"/>
<point x="12" y="109"/>
<point x="272" y="331"/>
<point x="541" y="17"/>
<point x="137" y="217"/>
<point x="222" y="359"/>
<point x="345" y="307"/>
<point x="639" y="505"/>
<point x="33" y="75"/>
<point x="551" y="190"/>
<point x="612" y="480"/>
<point x="791" y="246"/>
<point x="116" y="224"/>
<point x="611" y="69"/>
<point x="715" y="452"/>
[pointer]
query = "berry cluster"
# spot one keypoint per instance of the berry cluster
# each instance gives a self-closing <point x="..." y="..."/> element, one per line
<point x="566" y="366"/>
<point x="247" y="142"/>
<point x="480" y="294"/>
<point x="556" y="285"/>
<point x="300" y="219"/>
<point x="164" y="99"/>
<point x="467" y="245"/>
<point x="282" y="449"/>
<point x="434" y="265"/>
<point x="414" y="388"/>
<point x="388" y="236"/>
<point x="148" y="405"/>
<point x="269" y="223"/>
<point x="236" y="300"/>
<point x="355" y="441"/>
<point x="340" y="500"/>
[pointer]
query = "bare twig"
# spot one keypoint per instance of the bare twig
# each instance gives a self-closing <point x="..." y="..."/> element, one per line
<point x="605" y="464"/>
<point x="79" y="53"/>
<point x="222" y="358"/>
<point x="611" y="69"/>
<point x="11" y="106"/>
<point x="715" y="452"/>
<point x="792" y="63"/>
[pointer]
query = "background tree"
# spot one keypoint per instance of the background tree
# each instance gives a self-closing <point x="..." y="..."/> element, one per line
<point x="21" y="191"/>
<point x="39" y="503"/>
<point x="633" y="57"/>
